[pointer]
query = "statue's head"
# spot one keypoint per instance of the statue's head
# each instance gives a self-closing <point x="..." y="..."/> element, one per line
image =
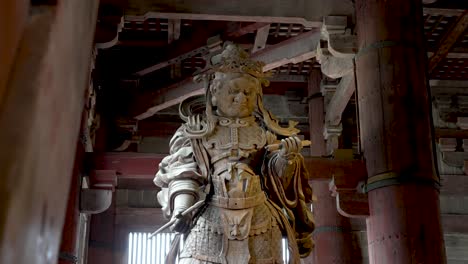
<point x="235" y="90"/>
<point x="237" y="83"/>
<point x="235" y="94"/>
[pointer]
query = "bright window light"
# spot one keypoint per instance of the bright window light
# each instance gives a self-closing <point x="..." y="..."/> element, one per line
<point x="142" y="250"/>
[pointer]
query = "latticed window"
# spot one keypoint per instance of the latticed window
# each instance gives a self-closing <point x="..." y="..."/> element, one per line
<point x="142" y="250"/>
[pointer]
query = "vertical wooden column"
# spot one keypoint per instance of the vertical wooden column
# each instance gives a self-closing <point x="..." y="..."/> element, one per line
<point x="13" y="20"/>
<point x="404" y="224"/>
<point x="43" y="89"/>
<point x="102" y="237"/>
<point x="331" y="236"/>
<point x="316" y="114"/>
<point x="70" y="234"/>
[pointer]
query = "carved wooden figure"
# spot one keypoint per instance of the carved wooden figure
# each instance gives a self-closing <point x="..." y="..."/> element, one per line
<point x="253" y="195"/>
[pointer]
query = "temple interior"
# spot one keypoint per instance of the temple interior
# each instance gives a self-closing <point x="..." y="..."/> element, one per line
<point x="90" y="94"/>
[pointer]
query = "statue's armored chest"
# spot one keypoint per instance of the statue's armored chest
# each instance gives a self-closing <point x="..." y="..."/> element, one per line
<point x="236" y="135"/>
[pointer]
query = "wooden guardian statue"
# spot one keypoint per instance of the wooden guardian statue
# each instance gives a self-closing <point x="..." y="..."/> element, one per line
<point x="243" y="172"/>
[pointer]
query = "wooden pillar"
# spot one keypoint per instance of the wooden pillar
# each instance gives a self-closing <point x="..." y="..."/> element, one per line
<point x="13" y="20"/>
<point x="404" y="224"/>
<point x="70" y="233"/>
<point x="102" y="237"/>
<point x="40" y="112"/>
<point x="331" y="235"/>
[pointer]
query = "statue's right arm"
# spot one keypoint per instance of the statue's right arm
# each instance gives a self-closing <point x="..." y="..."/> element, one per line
<point x="179" y="177"/>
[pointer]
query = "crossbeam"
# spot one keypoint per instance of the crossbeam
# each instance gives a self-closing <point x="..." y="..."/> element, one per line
<point x="308" y="13"/>
<point x="449" y="39"/>
<point x="293" y="50"/>
<point x="143" y="166"/>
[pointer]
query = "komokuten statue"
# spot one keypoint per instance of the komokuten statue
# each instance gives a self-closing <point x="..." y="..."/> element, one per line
<point x="234" y="181"/>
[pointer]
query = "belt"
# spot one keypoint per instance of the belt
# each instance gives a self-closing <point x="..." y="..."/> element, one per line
<point x="238" y="203"/>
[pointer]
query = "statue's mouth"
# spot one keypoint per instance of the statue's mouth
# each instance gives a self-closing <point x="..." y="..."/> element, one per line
<point x="240" y="105"/>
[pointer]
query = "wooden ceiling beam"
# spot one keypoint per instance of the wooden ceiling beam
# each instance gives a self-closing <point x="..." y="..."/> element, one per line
<point x="131" y="164"/>
<point x="150" y="103"/>
<point x="294" y="50"/>
<point x="239" y="29"/>
<point x="452" y="55"/>
<point x="176" y="56"/>
<point x="230" y="18"/>
<point x="147" y="104"/>
<point x="450" y="133"/>
<point x="153" y="218"/>
<point x="183" y="48"/>
<point x="449" y="40"/>
<point x="309" y="13"/>
<point x="143" y="166"/>
<point x="454" y="185"/>
<point x="442" y="11"/>
<point x="454" y="223"/>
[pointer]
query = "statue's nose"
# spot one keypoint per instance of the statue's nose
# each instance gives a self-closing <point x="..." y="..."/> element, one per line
<point x="240" y="98"/>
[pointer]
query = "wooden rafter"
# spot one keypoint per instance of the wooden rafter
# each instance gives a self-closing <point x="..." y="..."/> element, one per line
<point x="181" y="49"/>
<point x="293" y="50"/>
<point x="448" y="41"/>
<point x="235" y="31"/>
<point x="148" y="104"/>
<point x="238" y="29"/>
<point x="169" y="96"/>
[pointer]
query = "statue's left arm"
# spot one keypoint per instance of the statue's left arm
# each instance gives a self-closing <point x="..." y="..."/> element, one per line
<point x="288" y="187"/>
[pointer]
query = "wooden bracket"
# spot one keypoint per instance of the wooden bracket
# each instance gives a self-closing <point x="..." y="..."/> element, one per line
<point x="94" y="201"/>
<point x="346" y="186"/>
<point x="103" y="179"/>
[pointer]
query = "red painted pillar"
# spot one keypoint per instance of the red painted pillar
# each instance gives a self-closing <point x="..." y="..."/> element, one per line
<point x="332" y="234"/>
<point x="332" y="237"/>
<point x="404" y="224"/>
<point x="69" y="244"/>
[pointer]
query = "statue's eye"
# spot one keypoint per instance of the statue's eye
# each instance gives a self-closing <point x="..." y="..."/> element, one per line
<point x="233" y="91"/>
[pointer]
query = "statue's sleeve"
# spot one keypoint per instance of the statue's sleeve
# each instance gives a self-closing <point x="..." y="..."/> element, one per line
<point x="286" y="181"/>
<point x="178" y="172"/>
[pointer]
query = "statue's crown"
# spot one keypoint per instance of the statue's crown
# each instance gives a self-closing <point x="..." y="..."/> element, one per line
<point x="234" y="59"/>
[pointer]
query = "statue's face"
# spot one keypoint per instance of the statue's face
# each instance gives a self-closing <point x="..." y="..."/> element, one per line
<point x="237" y="97"/>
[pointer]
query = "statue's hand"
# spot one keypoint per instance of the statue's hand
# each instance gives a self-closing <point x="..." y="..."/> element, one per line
<point x="182" y="222"/>
<point x="182" y="202"/>
<point x="194" y="122"/>
<point x="290" y="145"/>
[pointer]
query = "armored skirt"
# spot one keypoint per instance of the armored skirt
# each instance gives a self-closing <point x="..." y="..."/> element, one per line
<point x="222" y="235"/>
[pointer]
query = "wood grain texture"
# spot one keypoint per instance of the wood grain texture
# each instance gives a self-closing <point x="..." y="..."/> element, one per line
<point x="404" y="224"/>
<point x="13" y="20"/>
<point x="39" y="124"/>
